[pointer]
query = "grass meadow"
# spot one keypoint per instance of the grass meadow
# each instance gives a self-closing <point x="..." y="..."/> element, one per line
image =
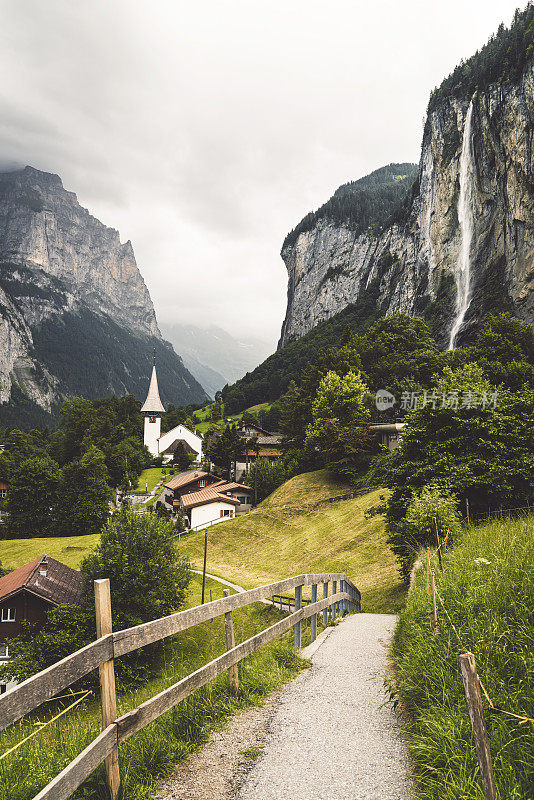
<point x="286" y="535"/>
<point x="487" y="586"/>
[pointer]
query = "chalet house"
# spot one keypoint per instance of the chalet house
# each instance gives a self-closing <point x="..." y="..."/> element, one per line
<point x="389" y="433"/>
<point x="27" y="593"/>
<point x="268" y="446"/>
<point x="208" y="499"/>
<point x="187" y="482"/>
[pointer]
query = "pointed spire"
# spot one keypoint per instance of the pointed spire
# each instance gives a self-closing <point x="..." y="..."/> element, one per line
<point x="153" y="404"/>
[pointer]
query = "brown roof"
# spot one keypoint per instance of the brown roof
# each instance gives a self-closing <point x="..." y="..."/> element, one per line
<point x="60" y="585"/>
<point x="205" y="496"/>
<point x="188" y="477"/>
<point x="223" y="486"/>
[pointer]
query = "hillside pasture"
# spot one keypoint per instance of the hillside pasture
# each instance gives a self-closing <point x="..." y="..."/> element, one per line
<point x="287" y="535"/>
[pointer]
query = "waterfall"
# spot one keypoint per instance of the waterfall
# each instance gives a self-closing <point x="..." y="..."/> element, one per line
<point x="465" y="219"/>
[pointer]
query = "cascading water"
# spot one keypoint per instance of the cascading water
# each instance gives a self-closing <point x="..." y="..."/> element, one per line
<point x="465" y="219"/>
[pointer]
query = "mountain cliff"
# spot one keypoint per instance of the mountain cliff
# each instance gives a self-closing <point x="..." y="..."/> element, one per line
<point x="460" y="244"/>
<point x="75" y="314"/>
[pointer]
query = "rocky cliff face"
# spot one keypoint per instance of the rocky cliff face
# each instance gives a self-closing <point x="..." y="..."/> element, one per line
<point x="418" y="266"/>
<point x="75" y="314"/>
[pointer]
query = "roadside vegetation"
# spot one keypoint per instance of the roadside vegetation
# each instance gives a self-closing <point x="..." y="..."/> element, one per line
<point x="152" y="753"/>
<point x="286" y="535"/>
<point x="487" y="586"/>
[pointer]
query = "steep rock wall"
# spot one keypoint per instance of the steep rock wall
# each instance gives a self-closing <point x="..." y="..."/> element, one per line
<point x="414" y="264"/>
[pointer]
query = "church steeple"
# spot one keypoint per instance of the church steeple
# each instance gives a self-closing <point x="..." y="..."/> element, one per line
<point x="153" y="404"/>
<point x="152" y="410"/>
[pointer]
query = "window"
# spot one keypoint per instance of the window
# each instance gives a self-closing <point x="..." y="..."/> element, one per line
<point x="8" y="615"/>
<point x="4" y="652"/>
<point x="3" y="688"/>
<point x="202" y="483"/>
<point x="225" y="513"/>
<point x="3" y="492"/>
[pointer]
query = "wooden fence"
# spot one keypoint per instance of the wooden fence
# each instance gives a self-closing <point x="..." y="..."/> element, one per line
<point x="102" y="652"/>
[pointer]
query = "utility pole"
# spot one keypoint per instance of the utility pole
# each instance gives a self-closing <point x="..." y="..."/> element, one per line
<point x="204" y="568"/>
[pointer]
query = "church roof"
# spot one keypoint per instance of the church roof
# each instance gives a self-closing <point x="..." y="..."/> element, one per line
<point x="153" y="403"/>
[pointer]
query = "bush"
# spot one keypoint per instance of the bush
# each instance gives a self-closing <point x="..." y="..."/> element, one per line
<point x="430" y="507"/>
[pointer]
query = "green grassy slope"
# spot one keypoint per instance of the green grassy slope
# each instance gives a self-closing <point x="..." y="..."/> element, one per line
<point x="285" y="536"/>
<point x="70" y="550"/>
<point x="487" y="586"/>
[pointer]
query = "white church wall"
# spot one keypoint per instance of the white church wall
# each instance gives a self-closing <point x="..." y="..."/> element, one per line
<point x="181" y="432"/>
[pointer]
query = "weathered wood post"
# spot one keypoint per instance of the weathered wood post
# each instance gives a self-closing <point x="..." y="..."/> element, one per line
<point x="438" y="544"/>
<point x="333" y="607"/>
<point x="298" y="604"/>
<point x="314" y="618"/>
<point x="476" y="715"/>
<point x="108" y="696"/>
<point x="325" y="611"/>
<point x="434" y="609"/>
<point x="233" y="675"/>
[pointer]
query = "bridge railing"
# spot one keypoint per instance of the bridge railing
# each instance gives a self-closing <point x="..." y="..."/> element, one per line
<point x="101" y="653"/>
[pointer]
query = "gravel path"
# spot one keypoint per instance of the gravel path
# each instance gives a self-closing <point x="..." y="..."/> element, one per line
<point x="330" y="737"/>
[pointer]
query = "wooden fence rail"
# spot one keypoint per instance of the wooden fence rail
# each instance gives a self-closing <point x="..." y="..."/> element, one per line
<point x="41" y="687"/>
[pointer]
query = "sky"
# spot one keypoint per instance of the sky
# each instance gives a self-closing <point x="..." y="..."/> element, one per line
<point x="204" y="132"/>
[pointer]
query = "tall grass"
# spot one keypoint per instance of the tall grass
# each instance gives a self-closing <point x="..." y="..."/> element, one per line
<point x="151" y="754"/>
<point x="487" y="586"/>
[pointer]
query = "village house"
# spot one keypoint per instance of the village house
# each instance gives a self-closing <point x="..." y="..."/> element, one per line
<point x="206" y="498"/>
<point x="27" y="593"/>
<point x="389" y="433"/>
<point x="165" y="444"/>
<point x="268" y="446"/>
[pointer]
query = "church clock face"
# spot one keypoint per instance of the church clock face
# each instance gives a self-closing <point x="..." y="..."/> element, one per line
<point x="152" y="419"/>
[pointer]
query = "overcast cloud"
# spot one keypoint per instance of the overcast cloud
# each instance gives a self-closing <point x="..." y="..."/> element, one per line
<point x="204" y="132"/>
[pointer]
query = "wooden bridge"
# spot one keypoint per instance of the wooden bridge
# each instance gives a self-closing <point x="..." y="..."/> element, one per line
<point x="26" y="697"/>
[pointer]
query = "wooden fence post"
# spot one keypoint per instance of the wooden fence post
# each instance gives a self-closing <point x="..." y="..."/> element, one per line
<point x="333" y="607"/>
<point x="108" y="696"/>
<point x="233" y="675"/>
<point x="438" y="544"/>
<point x="298" y="604"/>
<point x="325" y="612"/>
<point x="476" y="715"/>
<point x="314" y="618"/>
<point x="434" y="609"/>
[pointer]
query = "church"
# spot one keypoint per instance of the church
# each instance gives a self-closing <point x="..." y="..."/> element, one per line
<point x="165" y="445"/>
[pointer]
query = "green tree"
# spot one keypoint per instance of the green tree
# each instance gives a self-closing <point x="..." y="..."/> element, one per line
<point x="465" y="448"/>
<point x="429" y="508"/>
<point x="338" y="431"/>
<point x="148" y="578"/>
<point x="181" y="458"/>
<point x="84" y="495"/>
<point x="32" y="499"/>
<point x="224" y="448"/>
<point x="67" y="628"/>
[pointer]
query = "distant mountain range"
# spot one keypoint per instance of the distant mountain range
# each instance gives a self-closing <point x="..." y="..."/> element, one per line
<point x="213" y="356"/>
<point x="75" y="315"/>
